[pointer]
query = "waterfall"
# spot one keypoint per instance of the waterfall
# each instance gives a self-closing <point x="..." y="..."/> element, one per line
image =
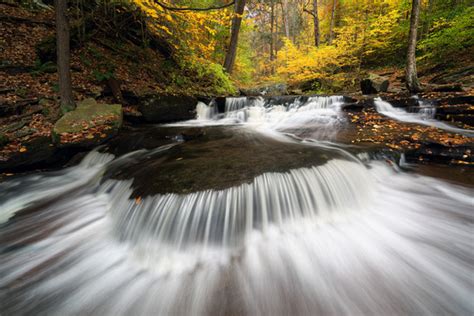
<point x="224" y="217"/>
<point x="275" y="114"/>
<point x="204" y="112"/>
<point x="340" y="238"/>
<point x="425" y="116"/>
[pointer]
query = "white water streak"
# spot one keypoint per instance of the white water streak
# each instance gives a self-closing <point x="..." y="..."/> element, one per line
<point x="350" y="240"/>
<point x="424" y="117"/>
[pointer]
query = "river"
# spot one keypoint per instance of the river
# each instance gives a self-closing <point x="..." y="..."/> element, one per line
<point x="258" y="208"/>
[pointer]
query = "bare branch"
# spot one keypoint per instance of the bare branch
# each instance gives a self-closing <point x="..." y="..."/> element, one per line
<point x="309" y="12"/>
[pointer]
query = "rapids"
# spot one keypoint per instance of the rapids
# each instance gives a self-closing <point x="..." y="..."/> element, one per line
<point x="342" y="235"/>
<point x="424" y="116"/>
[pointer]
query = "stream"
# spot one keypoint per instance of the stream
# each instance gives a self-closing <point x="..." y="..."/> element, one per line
<point x="257" y="208"/>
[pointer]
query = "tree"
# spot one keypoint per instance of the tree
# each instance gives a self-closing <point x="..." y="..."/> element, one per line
<point x="315" y="15"/>
<point x="317" y="35"/>
<point x="234" y="36"/>
<point x="63" y="56"/>
<point x="412" y="83"/>
<point x="332" y="23"/>
<point x="286" y="17"/>
<point x="272" y="30"/>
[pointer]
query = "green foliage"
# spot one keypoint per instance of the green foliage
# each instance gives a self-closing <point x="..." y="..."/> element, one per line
<point x="103" y="69"/>
<point x="55" y="87"/>
<point x="210" y="77"/>
<point x="40" y="68"/>
<point x="449" y="37"/>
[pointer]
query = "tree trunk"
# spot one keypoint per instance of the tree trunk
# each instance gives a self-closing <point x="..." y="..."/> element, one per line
<point x="333" y="21"/>
<point x="63" y="54"/>
<point x="412" y="83"/>
<point x="234" y="36"/>
<point x="317" y="35"/>
<point x="286" y="18"/>
<point x="272" y="29"/>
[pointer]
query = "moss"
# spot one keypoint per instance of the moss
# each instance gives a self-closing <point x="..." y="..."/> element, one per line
<point x="88" y="115"/>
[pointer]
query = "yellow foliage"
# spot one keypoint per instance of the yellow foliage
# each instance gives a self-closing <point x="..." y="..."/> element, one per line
<point x="304" y="63"/>
<point x="192" y="33"/>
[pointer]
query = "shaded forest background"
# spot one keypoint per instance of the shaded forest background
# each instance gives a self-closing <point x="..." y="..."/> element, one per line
<point x="322" y="46"/>
<point x="133" y="53"/>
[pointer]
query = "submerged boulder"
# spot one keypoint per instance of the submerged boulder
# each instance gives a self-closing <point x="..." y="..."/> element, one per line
<point x="88" y="125"/>
<point x="167" y="108"/>
<point x="374" y="84"/>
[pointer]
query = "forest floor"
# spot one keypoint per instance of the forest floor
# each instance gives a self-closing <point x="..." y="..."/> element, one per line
<point x="28" y="89"/>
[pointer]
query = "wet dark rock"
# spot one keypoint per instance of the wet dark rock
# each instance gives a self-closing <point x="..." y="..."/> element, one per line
<point x="440" y="154"/>
<point x="374" y="84"/>
<point x="356" y="106"/>
<point x="402" y="102"/>
<point x="456" y="109"/>
<point x="167" y="108"/>
<point x="456" y="87"/>
<point x="211" y="158"/>
<point x="459" y="99"/>
<point x="145" y="136"/>
<point x="220" y="103"/>
<point x="39" y="151"/>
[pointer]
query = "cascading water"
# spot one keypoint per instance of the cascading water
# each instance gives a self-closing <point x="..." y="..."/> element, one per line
<point x="338" y="237"/>
<point x="425" y="116"/>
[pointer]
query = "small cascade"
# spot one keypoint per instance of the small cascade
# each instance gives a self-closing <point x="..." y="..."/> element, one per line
<point x="224" y="218"/>
<point x="426" y="110"/>
<point x="275" y="113"/>
<point x="424" y="116"/>
<point x="204" y="112"/>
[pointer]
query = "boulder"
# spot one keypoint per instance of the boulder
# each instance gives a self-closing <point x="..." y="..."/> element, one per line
<point x="167" y="108"/>
<point x="374" y="84"/>
<point x="267" y="90"/>
<point x="306" y="86"/>
<point x="90" y="124"/>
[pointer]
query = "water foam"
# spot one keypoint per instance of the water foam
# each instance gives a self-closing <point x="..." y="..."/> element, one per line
<point x="425" y="116"/>
<point x="347" y="241"/>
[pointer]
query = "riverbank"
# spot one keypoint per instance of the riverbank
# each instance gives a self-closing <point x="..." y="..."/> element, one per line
<point x="139" y="80"/>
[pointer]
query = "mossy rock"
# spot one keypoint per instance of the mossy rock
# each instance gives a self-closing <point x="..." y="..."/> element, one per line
<point x="90" y="124"/>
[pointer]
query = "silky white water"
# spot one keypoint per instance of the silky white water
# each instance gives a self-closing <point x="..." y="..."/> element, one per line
<point x="341" y="238"/>
<point x="335" y="239"/>
<point x="425" y="116"/>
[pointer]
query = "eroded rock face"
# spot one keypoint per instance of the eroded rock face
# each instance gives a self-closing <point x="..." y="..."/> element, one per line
<point x="90" y="124"/>
<point x="374" y="84"/>
<point x="167" y="108"/>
